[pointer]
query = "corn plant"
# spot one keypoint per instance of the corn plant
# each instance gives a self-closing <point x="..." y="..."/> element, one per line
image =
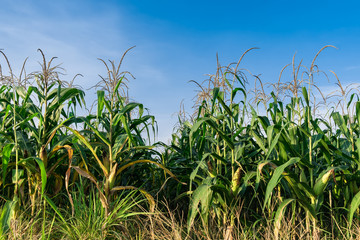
<point x="114" y="138"/>
<point x="39" y="110"/>
<point x="220" y="143"/>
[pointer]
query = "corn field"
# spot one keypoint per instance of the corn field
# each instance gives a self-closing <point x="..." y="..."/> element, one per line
<point x="278" y="161"/>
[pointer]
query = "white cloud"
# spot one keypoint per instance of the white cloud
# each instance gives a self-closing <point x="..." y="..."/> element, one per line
<point x="355" y="67"/>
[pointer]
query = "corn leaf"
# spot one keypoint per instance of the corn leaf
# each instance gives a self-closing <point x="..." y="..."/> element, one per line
<point x="280" y="214"/>
<point x="276" y="178"/>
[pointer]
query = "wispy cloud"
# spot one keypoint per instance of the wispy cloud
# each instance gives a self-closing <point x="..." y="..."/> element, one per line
<point x="355" y="67"/>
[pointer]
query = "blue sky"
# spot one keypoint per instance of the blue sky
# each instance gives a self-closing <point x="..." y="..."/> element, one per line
<point x="177" y="41"/>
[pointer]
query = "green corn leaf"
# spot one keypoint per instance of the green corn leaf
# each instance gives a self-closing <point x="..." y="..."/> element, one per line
<point x="107" y="105"/>
<point x="100" y="103"/>
<point x="308" y="207"/>
<point x="279" y="215"/>
<point x="118" y="84"/>
<point x="351" y="99"/>
<point x="305" y="188"/>
<point x="316" y="139"/>
<point x="212" y="124"/>
<point x="194" y="173"/>
<point x="269" y="134"/>
<point x="276" y="178"/>
<point x="43" y="174"/>
<point x="54" y="130"/>
<point x="355" y="203"/>
<point x="215" y="94"/>
<point x="28" y="94"/>
<point x="126" y="110"/>
<point x="357" y="160"/>
<point x="97" y="132"/>
<point x="274" y="142"/>
<point x="259" y="141"/>
<point x="223" y="104"/>
<point x="26" y="120"/>
<point x="265" y="123"/>
<point x="234" y="92"/>
<point x="339" y="120"/>
<point x="29" y="165"/>
<point x="7" y="213"/>
<point x="306" y="96"/>
<point x="242" y="81"/>
<point x="88" y="145"/>
<point x="127" y="128"/>
<point x="246" y="183"/>
<point x="20" y="175"/>
<point x="146" y="161"/>
<point x="230" y="85"/>
<point x="301" y="190"/>
<point x="7" y="110"/>
<point x="358" y="112"/>
<point x="214" y="155"/>
<point x="21" y="91"/>
<point x="6" y="159"/>
<point x="202" y="195"/>
<point x="223" y="191"/>
<point x="66" y="94"/>
<point x="120" y="143"/>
